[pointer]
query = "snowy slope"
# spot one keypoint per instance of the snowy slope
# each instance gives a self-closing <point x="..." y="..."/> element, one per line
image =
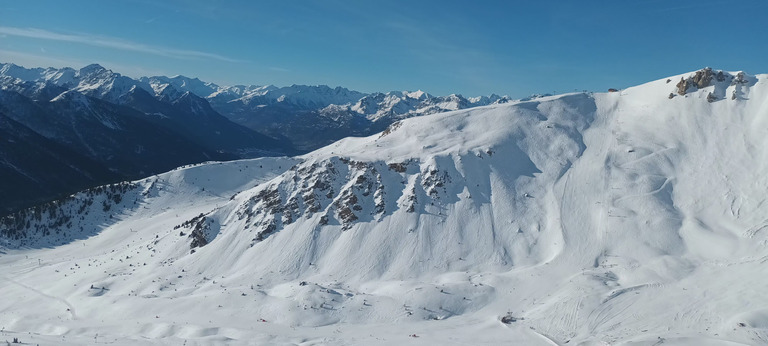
<point x="626" y="218"/>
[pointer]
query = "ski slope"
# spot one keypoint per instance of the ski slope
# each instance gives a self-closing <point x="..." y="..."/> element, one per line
<point x="627" y="218"/>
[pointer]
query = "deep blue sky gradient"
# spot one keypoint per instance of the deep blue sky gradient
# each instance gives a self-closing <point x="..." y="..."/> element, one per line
<point x="472" y="48"/>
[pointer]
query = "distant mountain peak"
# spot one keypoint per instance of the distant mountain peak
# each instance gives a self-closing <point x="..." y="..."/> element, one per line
<point x="93" y="69"/>
<point x="418" y="94"/>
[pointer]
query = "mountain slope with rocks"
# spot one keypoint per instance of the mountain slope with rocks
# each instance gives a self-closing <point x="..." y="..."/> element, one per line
<point x="625" y="218"/>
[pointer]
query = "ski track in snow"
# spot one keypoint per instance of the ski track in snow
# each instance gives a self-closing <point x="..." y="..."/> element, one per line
<point x="70" y="307"/>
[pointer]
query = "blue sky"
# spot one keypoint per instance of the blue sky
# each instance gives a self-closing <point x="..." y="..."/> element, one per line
<point x="472" y="48"/>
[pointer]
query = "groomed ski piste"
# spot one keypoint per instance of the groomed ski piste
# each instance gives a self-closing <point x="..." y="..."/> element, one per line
<point x="635" y="217"/>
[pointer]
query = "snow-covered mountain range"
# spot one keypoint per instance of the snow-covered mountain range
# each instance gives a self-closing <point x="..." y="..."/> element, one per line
<point x="136" y="127"/>
<point x="321" y="98"/>
<point x="310" y="116"/>
<point x="626" y="218"/>
<point x="108" y="128"/>
<point x="314" y="116"/>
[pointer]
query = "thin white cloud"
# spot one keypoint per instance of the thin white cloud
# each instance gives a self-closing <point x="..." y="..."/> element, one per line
<point x="114" y="43"/>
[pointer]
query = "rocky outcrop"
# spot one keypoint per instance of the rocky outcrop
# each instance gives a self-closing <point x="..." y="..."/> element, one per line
<point x="700" y="79"/>
<point x="341" y="192"/>
<point x="739" y="79"/>
<point x="707" y="77"/>
<point x="199" y="227"/>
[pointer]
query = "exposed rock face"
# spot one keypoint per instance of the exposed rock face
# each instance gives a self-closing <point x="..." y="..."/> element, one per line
<point x="343" y="192"/>
<point x="700" y="79"/>
<point x="720" y="76"/>
<point x="682" y="86"/>
<point x="703" y="77"/>
<point x="199" y="227"/>
<point x="739" y="79"/>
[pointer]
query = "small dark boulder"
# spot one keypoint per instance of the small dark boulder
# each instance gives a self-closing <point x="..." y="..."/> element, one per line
<point x="509" y="319"/>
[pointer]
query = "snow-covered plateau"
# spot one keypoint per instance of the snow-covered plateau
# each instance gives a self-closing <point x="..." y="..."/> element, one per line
<point x="636" y="217"/>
